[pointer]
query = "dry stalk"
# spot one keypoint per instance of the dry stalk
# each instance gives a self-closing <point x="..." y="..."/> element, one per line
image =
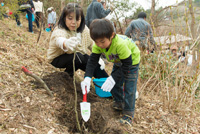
<point x="182" y="96"/>
<point x="74" y="80"/>
<point x="27" y="72"/>
<point x="192" y="87"/>
<point x="176" y="85"/>
<point x="45" y="41"/>
<point x="142" y="88"/>
<point x="153" y="85"/>
<point x="75" y="91"/>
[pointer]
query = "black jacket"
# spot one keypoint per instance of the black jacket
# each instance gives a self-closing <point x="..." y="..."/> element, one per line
<point x="23" y="2"/>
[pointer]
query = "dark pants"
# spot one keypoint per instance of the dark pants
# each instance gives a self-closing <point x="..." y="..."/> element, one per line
<point x="29" y="12"/>
<point x="125" y="89"/>
<point x="66" y="61"/>
<point x="39" y="19"/>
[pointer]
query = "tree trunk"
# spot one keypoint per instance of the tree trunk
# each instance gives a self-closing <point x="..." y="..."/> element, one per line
<point x="62" y="5"/>
<point x="82" y="3"/>
<point x="192" y="25"/>
<point x="198" y="53"/>
<point x="153" y="6"/>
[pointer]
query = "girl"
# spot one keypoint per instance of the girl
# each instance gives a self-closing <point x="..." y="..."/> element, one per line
<point x="71" y="34"/>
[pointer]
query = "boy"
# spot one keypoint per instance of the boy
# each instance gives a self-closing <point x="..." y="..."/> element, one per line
<point x="126" y="55"/>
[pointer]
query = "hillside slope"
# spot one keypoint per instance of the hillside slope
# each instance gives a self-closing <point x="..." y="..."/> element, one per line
<point x="25" y="107"/>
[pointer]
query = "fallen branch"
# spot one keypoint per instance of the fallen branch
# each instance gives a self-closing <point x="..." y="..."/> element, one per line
<point x="27" y="72"/>
<point x="29" y="127"/>
<point x="5" y="109"/>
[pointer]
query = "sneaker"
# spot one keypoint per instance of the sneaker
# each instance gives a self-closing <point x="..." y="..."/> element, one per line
<point x="19" y="25"/>
<point x="136" y="95"/>
<point x="126" y="119"/>
<point x="117" y="105"/>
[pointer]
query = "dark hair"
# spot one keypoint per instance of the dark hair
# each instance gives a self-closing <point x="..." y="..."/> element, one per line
<point x="142" y="15"/>
<point x="100" y="28"/>
<point x="69" y="9"/>
<point x="102" y="2"/>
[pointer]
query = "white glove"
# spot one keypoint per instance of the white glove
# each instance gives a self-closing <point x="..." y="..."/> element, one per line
<point x="86" y="83"/>
<point x="70" y="44"/>
<point x="101" y="62"/>
<point x="108" y="84"/>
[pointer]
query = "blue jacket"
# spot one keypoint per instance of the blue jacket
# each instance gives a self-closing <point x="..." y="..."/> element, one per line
<point x="140" y="30"/>
<point x="95" y="11"/>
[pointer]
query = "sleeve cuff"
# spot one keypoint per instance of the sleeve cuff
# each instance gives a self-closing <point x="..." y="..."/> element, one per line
<point x="60" y="41"/>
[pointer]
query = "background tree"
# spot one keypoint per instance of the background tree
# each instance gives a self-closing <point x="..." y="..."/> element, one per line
<point x="62" y="4"/>
<point x="192" y="25"/>
<point x="153" y="8"/>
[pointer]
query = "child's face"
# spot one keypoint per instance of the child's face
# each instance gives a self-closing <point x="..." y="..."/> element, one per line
<point x="104" y="42"/>
<point x="71" y="22"/>
<point x="174" y="52"/>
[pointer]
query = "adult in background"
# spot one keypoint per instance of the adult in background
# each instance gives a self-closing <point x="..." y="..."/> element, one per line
<point x="72" y="34"/>
<point x="96" y="11"/>
<point x="104" y="4"/>
<point x="25" y="6"/>
<point x="51" y="21"/>
<point x="39" y="12"/>
<point x="53" y="12"/>
<point x="140" y="31"/>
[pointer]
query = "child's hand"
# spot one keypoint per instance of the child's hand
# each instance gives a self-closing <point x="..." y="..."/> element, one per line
<point x="86" y="83"/>
<point x="108" y="84"/>
<point x="102" y="64"/>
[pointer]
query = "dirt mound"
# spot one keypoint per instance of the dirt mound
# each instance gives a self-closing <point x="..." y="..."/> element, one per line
<point x="101" y="112"/>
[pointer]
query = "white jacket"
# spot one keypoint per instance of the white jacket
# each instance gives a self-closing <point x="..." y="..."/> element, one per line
<point x="38" y="6"/>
